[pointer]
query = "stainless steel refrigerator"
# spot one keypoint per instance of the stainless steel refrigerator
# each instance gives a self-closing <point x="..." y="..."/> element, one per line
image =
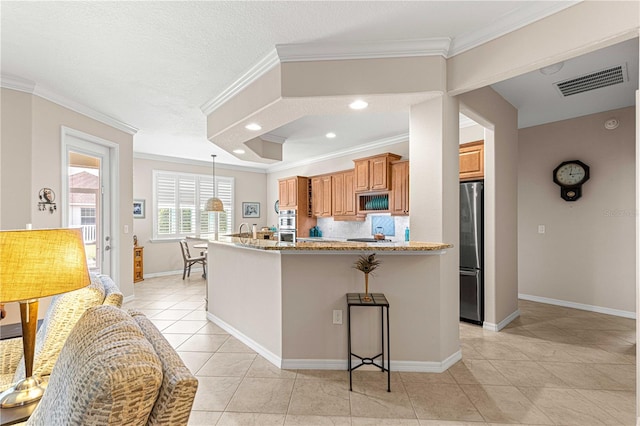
<point x="471" y="252"/>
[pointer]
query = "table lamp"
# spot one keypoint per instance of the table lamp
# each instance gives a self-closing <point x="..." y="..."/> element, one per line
<point x="35" y="264"/>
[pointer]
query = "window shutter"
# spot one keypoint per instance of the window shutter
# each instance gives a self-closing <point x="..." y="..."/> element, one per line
<point x="179" y="204"/>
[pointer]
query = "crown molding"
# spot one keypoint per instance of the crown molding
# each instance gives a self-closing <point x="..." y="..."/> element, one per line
<point x="508" y="23"/>
<point x="354" y="150"/>
<point x="197" y="163"/>
<point x="375" y="50"/>
<point x="28" y="86"/>
<point x="258" y="70"/>
<point x="17" y="83"/>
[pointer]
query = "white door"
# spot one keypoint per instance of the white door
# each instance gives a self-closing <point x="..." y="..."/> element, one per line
<point x="87" y="196"/>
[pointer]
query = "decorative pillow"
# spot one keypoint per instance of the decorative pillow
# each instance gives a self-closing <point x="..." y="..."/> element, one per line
<point x="107" y="374"/>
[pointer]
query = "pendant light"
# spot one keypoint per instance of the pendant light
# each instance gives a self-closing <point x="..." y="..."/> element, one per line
<point x="214" y="204"/>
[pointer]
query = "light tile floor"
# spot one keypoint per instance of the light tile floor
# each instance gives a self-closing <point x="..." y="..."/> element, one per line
<point x="551" y="366"/>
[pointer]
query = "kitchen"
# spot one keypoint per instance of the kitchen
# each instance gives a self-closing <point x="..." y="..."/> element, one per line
<point x="273" y="329"/>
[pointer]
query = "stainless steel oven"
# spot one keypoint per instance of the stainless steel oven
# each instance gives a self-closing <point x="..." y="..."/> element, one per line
<point x="287" y="225"/>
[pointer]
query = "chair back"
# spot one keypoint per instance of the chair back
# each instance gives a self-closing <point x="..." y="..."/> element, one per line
<point x="185" y="250"/>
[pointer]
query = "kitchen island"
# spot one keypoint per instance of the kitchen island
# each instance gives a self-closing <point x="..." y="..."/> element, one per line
<point x="279" y="299"/>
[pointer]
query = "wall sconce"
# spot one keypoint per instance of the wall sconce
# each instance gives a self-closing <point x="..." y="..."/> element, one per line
<point x="47" y="198"/>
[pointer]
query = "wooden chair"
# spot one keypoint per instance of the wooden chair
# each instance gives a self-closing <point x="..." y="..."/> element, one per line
<point x="190" y="261"/>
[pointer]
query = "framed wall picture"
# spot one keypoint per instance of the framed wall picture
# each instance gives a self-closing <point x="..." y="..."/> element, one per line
<point x="138" y="209"/>
<point x="250" y="209"/>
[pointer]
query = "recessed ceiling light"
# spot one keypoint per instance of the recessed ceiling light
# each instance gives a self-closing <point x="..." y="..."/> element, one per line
<point x="238" y="151"/>
<point x="253" y="126"/>
<point x="359" y="104"/>
<point x="330" y="135"/>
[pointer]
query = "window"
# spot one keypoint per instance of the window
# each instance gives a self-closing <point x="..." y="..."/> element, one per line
<point x="179" y="201"/>
<point x="87" y="216"/>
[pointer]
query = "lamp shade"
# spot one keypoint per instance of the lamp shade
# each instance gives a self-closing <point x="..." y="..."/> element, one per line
<point x="40" y="263"/>
<point x="214" y="204"/>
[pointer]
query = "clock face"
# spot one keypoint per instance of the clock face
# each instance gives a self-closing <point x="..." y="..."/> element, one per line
<point x="570" y="174"/>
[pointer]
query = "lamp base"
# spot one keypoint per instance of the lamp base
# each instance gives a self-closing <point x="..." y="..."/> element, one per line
<point x="23" y="392"/>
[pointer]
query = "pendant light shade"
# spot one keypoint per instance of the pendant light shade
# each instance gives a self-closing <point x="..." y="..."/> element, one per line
<point x="214" y="204"/>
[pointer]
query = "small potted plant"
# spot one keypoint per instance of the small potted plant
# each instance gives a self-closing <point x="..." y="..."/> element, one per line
<point x="367" y="264"/>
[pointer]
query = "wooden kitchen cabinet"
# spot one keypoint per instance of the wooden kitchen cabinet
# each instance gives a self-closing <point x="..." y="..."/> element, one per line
<point x="293" y="193"/>
<point x="399" y="188"/>
<point x="472" y="161"/>
<point x="321" y="194"/>
<point x="138" y="264"/>
<point x="373" y="173"/>
<point x="344" y="196"/>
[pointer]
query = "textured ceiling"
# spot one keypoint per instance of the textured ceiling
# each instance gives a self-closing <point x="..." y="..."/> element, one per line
<point x="152" y="65"/>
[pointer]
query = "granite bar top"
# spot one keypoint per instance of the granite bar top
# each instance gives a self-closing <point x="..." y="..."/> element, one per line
<point x="319" y="246"/>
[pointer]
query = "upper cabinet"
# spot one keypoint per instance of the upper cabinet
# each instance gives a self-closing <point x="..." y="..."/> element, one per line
<point x="374" y="173"/>
<point x="343" y="196"/>
<point x="321" y="193"/>
<point x="400" y="188"/>
<point x="294" y="194"/>
<point x="472" y="161"/>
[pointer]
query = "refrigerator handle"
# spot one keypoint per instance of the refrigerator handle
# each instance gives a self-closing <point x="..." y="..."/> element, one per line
<point x="469" y="273"/>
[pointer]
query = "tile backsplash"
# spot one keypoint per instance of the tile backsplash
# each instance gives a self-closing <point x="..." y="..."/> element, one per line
<point x="341" y="229"/>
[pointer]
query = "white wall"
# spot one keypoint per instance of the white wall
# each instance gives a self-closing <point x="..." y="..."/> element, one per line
<point x="587" y="254"/>
<point x="31" y="159"/>
<point x="165" y="256"/>
<point x="471" y="134"/>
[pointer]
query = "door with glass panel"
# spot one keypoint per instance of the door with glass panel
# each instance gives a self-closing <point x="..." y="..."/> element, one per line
<point x="87" y="206"/>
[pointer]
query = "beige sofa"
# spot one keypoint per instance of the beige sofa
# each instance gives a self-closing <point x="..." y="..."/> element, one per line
<point x="64" y="312"/>
<point x="116" y="368"/>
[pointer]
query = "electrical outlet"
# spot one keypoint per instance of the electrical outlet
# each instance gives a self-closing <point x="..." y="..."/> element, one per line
<point x="337" y="316"/>
<point x="541" y="229"/>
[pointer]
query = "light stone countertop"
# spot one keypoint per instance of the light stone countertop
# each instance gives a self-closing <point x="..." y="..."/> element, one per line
<point x="328" y="246"/>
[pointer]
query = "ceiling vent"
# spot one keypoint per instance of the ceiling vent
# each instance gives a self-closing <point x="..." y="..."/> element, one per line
<point x="592" y="81"/>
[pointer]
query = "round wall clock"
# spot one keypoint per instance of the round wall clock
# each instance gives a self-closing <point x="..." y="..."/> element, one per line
<point x="570" y="175"/>
<point x="276" y="206"/>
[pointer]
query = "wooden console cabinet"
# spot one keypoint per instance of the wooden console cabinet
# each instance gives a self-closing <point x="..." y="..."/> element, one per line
<point x="138" y="264"/>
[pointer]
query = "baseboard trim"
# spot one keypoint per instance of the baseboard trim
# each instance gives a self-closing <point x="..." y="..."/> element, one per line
<point x="167" y="273"/>
<point x="331" y="364"/>
<point x="127" y="299"/>
<point x="502" y="324"/>
<point x="405" y="366"/>
<point x="264" y="352"/>
<point x="581" y="306"/>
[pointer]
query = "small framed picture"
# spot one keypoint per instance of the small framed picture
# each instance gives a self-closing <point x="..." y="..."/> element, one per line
<point x="250" y="209"/>
<point x="138" y="209"/>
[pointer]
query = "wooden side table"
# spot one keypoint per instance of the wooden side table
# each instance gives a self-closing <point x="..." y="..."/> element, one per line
<point x="138" y="264"/>
<point x="376" y="300"/>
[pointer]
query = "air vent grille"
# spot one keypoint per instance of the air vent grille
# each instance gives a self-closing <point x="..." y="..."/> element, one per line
<point x="592" y="81"/>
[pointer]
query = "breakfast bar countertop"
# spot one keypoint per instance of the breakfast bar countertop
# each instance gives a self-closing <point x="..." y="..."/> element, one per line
<point x="306" y="246"/>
